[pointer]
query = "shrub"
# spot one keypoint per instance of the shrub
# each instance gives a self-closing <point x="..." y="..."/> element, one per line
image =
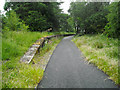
<point x="111" y="28"/>
<point x="13" y="23"/>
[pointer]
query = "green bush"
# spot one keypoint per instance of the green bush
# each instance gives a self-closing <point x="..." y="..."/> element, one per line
<point x="111" y="28"/>
<point x="13" y="23"/>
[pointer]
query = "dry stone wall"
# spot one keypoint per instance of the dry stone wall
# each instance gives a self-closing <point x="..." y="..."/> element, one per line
<point x="28" y="56"/>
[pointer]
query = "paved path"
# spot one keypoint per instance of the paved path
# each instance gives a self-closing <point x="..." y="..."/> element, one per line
<point x="68" y="69"/>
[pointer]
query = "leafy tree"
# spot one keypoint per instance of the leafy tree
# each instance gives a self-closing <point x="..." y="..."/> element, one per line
<point x="13" y="23"/>
<point x="112" y="27"/>
<point x="76" y="12"/>
<point x="89" y="17"/>
<point x="38" y="15"/>
<point x="63" y="22"/>
<point x="71" y="24"/>
<point x="0" y="21"/>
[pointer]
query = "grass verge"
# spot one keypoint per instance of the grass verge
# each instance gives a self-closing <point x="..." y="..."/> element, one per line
<point x="15" y="74"/>
<point x="0" y="60"/>
<point x="15" y="44"/>
<point x="101" y="51"/>
<point x="41" y="59"/>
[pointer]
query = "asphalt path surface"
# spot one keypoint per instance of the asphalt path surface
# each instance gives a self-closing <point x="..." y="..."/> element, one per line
<point x="68" y="68"/>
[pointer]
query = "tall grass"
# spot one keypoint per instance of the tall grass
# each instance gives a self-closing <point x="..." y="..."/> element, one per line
<point x="22" y="76"/>
<point x="101" y="51"/>
<point x="15" y="44"/>
<point x="15" y="74"/>
<point x="0" y="60"/>
<point x="43" y="56"/>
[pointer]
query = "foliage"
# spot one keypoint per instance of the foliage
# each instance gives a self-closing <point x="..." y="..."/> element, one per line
<point x="38" y="15"/>
<point x="14" y="44"/>
<point x="112" y="27"/>
<point x="84" y="18"/>
<point x="96" y="17"/>
<point x="76" y="10"/>
<point x="42" y="57"/>
<point x="65" y="23"/>
<point x="13" y="23"/>
<point x="20" y="75"/>
<point x="101" y="51"/>
<point x="71" y="24"/>
<point x="89" y="17"/>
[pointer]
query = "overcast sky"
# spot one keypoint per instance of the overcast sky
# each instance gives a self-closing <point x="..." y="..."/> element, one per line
<point x="2" y="2"/>
<point x="65" y="6"/>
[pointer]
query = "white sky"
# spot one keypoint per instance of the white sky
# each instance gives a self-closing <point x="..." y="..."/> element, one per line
<point x="65" y="6"/>
<point x="2" y="2"/>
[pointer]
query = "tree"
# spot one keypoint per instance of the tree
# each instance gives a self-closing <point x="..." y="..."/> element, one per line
<point x="38" y="15"/>
<point x="63" y="22"/>
<point x="89" y="17"/>
<point x="12" y="22"/>
<point x="77" y="13"/>
<point x="112" y="28"/>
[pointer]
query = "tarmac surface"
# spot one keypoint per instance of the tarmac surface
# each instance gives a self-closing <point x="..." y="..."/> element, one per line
<point x="67" y="68"/>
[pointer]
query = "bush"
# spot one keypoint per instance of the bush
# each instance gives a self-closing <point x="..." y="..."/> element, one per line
<point x="13" y="23"/>
<point x="111" y="28"/>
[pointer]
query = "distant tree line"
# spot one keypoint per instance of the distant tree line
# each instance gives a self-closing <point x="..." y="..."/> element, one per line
<point x="38" y="15"/>
<point x="84" y="17"/>
<point x="96" y="17"/>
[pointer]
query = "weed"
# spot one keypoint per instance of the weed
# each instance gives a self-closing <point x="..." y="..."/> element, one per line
<point x="20" y="75"/>
<point x="101" y="51"/>
<point x="97" y="44"/>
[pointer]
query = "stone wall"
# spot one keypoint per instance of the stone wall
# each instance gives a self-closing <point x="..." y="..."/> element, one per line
<point x="28" y="56"/>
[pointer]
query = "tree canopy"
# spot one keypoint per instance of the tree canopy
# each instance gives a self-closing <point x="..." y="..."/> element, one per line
<point x="38" y="15"/>
<point x="84" y="18"/>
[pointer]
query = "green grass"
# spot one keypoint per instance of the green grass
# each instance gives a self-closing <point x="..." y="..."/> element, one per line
<point x="16" y="74"/>
<point x="15" y="44"/>
<point x="23" y="76"/>
<point x="101" y="51"/>
<point x="41" y="59"/>
<point x="0" y="60"/>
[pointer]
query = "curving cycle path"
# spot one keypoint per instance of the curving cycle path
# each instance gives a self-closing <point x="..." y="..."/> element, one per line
<point x="68" y="68"/>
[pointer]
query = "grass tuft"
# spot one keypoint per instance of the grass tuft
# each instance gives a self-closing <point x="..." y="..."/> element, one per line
<point x="101" y="51"/>
<point x="14" y="45"/>
<point x="97" y="44"/>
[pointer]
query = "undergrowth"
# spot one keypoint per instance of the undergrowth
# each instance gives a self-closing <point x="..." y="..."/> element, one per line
<point x="16" y="74"/>
<point x="45" y="53"/>
<point x="101" y="51"/>
<point x="15" y="43"/>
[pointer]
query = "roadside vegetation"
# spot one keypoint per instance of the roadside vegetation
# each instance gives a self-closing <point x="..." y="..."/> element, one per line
<point x="0" y="61"/>
<point x="22" y="25"/>
<point x="42" y="58"/>
<point x="20" y="75"/>
<point x="101" y="51"/>
<point x="17" y="37"/>
<point x="14" y="45"/>
<point x="98" y="31"/>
